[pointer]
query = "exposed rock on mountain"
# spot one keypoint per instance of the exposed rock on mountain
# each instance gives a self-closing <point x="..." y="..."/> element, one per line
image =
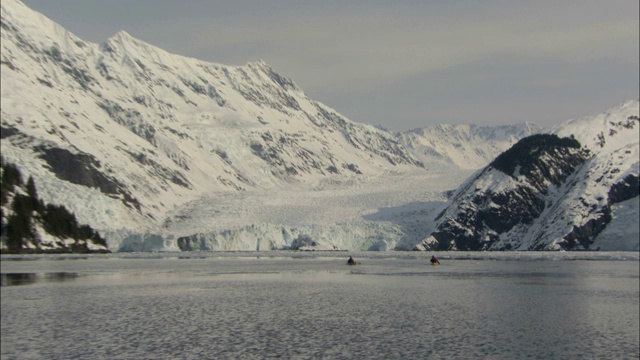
<point x="29" y="225"/>
<point x="551" y="193"/>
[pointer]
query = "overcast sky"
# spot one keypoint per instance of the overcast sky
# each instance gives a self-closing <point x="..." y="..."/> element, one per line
<point x="401" y="64"/>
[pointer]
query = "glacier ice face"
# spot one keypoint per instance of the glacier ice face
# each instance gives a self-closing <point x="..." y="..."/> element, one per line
<point x="379" y="213"/>
<point x="266" y="237"/>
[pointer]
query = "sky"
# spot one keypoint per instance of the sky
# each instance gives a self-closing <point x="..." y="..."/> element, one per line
<point x="401" y="64"/>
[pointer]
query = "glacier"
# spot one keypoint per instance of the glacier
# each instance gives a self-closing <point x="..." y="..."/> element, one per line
<point x="161" y="152"/>
<point x="377" y="213"/>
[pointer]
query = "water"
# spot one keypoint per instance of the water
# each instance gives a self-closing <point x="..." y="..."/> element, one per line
<point x="314" y="306"/>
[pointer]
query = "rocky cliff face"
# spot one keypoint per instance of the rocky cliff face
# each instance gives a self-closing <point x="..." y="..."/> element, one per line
<point x="548" y="192"/>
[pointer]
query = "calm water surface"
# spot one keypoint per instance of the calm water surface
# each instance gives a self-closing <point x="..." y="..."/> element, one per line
<point x="314" y="306"/>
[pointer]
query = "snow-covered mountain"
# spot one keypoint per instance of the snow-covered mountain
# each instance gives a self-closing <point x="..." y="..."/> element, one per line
<point x="576" y="188"/>
<point x="163" y="152"/>
<point x="463" y="146"/>
<point x="123" y="132"/>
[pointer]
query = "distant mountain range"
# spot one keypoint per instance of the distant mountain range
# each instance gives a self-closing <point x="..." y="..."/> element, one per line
<point x="128" y="137"/>
<point x="463" y="146"/>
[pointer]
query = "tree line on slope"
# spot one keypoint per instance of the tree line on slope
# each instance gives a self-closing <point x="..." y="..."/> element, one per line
<point x="22" y="211"/>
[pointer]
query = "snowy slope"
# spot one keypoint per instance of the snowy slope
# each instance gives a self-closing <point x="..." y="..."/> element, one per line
<point x="163" y="152"/>
<point x="553" y="197"/>
<point x="464" y="146"/>
<point x="613" y="138"/>
<point x="123" y="132"/>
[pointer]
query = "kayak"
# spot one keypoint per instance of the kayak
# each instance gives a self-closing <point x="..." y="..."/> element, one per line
<point x="435" y="264"/>
<point x="353" y="263"/>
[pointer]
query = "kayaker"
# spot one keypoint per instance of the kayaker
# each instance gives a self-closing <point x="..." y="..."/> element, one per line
<point x="434" y="260"/>
<point x="351" y="261"/>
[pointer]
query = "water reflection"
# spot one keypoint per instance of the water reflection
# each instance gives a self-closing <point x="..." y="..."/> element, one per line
<point x="16" y="279"/>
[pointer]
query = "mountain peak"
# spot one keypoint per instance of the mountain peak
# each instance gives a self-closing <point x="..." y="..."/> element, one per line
<point x="14" y="5"/>
<point x="123" y="36"/>
<point x="32" y="29"/>
<point x="259" y="63"/>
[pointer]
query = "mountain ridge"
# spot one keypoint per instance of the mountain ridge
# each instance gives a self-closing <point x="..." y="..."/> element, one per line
<point x="149" y="131"/>
<point x="156" y="150"/>
<point x="467" y="146"/>
<point x="552" y="194"/>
